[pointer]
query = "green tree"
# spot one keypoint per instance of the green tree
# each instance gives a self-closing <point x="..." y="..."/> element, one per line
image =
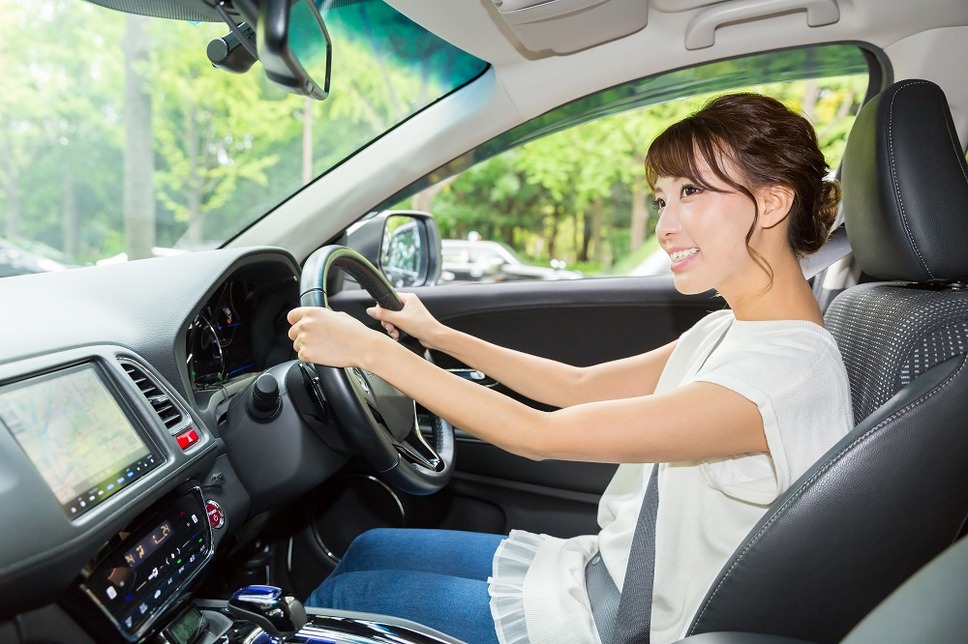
<point x="54" y="130"/>
<point x="138" y="205"/>
<point x="206" y="127"/>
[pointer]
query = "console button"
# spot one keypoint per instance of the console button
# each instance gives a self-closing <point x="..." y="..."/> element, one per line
<point x="187" y="438"/>
<point x="215" y="516"/>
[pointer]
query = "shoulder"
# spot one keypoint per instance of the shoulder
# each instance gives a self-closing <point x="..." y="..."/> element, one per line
<point x="782" y="360"/>
<point x="713" y="325"/>
<point x="784" y="343"/>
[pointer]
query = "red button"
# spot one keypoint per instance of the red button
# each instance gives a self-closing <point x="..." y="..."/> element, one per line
<point x="214" y="512"/>
<point x="187" y="438"/>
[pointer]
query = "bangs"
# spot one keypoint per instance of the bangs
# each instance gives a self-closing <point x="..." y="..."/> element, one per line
<point x="688" y="149"/>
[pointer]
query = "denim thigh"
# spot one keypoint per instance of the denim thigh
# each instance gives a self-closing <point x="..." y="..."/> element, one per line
<point x="445" y="552"/>
<point x="433" y="577"/>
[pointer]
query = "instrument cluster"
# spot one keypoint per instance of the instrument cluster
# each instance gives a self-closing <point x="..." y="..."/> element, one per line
<point x="241" y="329"/>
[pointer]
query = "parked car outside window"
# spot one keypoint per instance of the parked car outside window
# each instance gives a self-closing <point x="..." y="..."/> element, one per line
<point x="16" y="259"/>
<point x="478" y="260"/>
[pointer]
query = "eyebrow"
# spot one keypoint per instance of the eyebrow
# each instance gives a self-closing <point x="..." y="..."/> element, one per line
<point x="657" y="189"/>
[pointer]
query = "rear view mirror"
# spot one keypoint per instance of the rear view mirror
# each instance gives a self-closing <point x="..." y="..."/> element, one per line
<point x="294" y="46"/>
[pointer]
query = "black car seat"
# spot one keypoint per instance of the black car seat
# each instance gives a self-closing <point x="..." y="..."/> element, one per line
<point x="893" y="493"/>
<point x="928" y="607"/>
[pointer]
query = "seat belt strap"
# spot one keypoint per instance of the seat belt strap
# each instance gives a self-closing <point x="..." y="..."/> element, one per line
<point x="836" y="248"/>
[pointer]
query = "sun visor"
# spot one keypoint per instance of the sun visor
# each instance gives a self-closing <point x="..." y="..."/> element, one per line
<point x="564" y="26"/>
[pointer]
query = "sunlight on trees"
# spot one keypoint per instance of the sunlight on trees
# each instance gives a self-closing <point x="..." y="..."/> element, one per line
<point x="103" y="154"/>
<point x="117" y="136"/>
<point x="580" y="195"/>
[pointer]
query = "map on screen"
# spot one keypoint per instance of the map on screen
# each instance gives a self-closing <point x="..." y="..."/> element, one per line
<point x="74" y="432"/>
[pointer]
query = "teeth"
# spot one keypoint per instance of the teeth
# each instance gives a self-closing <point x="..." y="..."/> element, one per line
<point x="680" y="255"/>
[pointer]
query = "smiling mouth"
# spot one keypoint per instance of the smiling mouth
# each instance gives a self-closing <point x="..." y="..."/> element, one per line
<point x="680" y="255"/>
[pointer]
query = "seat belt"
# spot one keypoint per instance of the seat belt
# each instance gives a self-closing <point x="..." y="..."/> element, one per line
<point x="634" y="616"/>
<point x="836" y="248"/>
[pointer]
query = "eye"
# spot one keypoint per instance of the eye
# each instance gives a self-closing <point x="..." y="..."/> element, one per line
<point x="659" y="203"/>
<point x="689" y="189"/>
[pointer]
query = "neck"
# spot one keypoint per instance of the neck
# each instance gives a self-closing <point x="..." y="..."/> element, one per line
<point x="789" y="297"/>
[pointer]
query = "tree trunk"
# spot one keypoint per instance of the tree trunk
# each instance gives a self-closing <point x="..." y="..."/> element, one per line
<point x="138" y="199"/>
<point x="12" y="223"/>
<point x="11" y="220"/>
<point x="194" y="188"/>
<point x="640" y="214"/>
<point x="593" y="225"/>
<point x="553" y="237"/>
<point x="69" y="215"/>
<point x="811" y="93"/>
<point x="193" y="200"/>
<point x="307" y="142"/>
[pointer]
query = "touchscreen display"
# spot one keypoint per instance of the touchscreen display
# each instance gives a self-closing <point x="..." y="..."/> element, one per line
<point x="75" y="433"/>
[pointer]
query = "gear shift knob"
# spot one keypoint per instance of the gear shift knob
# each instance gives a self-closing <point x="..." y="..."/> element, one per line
<point x="277" y="614"/>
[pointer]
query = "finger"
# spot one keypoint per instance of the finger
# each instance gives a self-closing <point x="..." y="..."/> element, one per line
<point x="298" y="313"/>
<point x="391" y="330"/>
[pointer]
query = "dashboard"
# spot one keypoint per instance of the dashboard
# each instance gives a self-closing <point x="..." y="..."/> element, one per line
<point x="122" y="452"/>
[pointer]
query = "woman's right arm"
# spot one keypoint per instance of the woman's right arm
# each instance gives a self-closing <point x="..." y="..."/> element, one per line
<point x="547" y="381"/>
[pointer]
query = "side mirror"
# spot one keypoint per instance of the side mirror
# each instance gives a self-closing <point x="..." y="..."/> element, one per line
<point x="294" y="46"/>
<point x="404" y="244"/>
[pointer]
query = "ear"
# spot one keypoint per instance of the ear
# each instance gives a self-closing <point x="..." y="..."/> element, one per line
<point x="775" y="204"/>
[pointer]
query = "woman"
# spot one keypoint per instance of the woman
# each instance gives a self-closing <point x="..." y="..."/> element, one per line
<point x="733" y="411"/>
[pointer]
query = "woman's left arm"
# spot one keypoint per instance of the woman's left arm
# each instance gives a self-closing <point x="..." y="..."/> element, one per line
<point x="698" y="420"/>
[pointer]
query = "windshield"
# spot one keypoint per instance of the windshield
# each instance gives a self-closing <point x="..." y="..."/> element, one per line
<point x="120" y="140"/>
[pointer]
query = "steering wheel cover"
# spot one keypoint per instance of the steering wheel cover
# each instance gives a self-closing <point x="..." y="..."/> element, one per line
<point x="372" y="412"/>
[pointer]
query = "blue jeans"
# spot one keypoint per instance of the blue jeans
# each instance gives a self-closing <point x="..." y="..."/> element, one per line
<point x="433" y="577"/>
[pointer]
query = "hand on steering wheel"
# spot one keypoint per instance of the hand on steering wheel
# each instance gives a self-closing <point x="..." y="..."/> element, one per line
<point x="377" y="419"/>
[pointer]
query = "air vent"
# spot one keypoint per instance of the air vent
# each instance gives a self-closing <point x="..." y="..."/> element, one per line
<point x="160" y="401"/>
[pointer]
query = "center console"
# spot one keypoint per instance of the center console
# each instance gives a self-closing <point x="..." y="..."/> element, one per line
<point x="149" y="570"/>
<point x="321" y="626"/>
<point x="140" y="585"/>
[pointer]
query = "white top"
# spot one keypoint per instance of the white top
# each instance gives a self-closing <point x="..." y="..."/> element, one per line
<point x="793" y="372"/>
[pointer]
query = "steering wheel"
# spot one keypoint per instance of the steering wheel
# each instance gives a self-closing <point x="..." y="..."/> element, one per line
<point x="378" y="420"/>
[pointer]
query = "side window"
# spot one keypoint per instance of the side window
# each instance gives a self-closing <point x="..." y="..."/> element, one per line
<point x="574" y="203"/>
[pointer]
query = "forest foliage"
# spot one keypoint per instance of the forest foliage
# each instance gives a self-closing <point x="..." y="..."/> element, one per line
<point x="119" y="138"/>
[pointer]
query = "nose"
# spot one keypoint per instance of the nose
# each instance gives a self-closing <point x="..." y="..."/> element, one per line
<point x="668" y="223"/>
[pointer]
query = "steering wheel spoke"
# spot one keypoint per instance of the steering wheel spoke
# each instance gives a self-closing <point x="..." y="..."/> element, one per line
<point x="417" y="451"/>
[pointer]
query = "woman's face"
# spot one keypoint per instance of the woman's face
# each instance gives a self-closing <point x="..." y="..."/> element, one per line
<point x="704" y="233"/>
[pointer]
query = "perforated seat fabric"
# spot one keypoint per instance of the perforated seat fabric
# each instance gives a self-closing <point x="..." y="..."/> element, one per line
<point x="893" y="493"/>
<point x="889" y="334"/>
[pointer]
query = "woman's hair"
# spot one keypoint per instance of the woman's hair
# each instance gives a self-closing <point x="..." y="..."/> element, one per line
<point x="770" y="145"/>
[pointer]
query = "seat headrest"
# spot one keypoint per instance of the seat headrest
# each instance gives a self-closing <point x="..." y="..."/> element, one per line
<point x="905" y="185"/>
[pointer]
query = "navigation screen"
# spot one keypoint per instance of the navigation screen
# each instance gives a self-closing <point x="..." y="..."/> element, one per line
<point x="77" y="436"/>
